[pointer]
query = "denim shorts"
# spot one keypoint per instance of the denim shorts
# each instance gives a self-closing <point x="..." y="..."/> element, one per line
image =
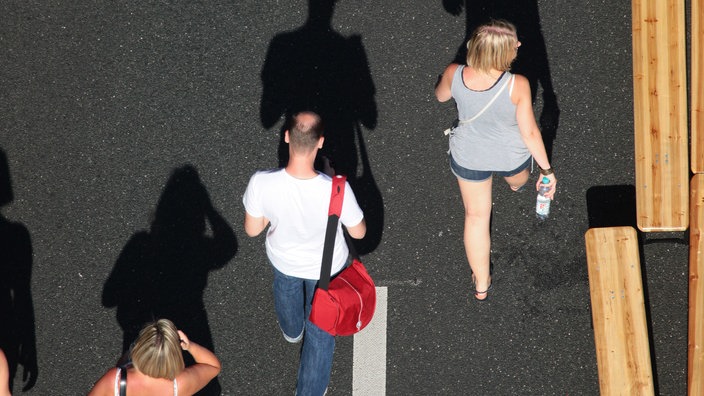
<point x="477" y="176"/>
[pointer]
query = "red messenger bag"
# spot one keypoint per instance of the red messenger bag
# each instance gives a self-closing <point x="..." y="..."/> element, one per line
<point x="345" y="305"/>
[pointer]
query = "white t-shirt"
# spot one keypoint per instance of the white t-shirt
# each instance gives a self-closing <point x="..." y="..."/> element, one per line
<point x="297" y="210"/>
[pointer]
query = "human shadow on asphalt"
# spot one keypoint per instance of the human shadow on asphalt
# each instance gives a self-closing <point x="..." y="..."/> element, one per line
<point x="532" y="61"/>
<point x="163" y="272"/>
<point x="17" y="326"/>
<point x="316" y="68"/>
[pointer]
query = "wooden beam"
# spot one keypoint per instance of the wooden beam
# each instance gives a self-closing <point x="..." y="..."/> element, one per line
<point x="697" y="85"/>
<point x="618" y="312"/>
<point x="660" y="115"/>
<point x="695" y="356"/>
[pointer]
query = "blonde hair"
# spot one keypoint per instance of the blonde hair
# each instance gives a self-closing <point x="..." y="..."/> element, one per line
<point x="492" y="46"/>
<point x="157" y="351"/>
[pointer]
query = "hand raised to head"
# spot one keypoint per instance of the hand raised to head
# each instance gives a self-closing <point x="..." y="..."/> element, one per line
<point x="185" y="342"/>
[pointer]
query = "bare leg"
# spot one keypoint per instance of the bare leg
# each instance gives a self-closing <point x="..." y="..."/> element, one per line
<point x="476" y="197"/>
<point x="518" y="180"/>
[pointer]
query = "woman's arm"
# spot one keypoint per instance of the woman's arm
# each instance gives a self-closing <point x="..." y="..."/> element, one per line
<point x="530" y="133"/>
<point x="443" y="86"/>
<point x="207" y="366"/>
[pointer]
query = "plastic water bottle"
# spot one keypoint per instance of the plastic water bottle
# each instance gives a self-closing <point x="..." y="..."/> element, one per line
<point x="542" y="203"/>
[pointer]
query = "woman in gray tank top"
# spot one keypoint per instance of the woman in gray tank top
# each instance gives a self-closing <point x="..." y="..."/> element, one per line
<point x="497" y="133"/>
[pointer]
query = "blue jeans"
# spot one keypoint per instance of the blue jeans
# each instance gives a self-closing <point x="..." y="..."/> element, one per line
<point x="292" y="300"/>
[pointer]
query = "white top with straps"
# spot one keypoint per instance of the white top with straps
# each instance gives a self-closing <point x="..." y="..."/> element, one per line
<point x="117" y="383"/>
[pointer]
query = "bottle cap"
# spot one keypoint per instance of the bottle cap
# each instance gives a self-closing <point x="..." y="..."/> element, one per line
<point x="546" y="180"/>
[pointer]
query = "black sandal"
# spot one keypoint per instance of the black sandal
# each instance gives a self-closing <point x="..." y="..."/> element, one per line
<point x="477" y="292"/>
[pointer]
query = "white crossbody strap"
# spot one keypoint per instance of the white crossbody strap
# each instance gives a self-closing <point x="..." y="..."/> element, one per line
<point x="463" y="122"/>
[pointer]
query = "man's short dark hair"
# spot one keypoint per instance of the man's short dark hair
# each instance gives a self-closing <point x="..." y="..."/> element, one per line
<point x="305" y="130"/>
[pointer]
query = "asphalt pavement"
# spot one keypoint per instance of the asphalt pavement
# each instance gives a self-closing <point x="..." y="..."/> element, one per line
<point x="119" y="120"/>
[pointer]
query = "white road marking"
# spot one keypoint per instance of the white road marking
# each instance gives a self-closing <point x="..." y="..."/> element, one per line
<point x="369" y="353"/>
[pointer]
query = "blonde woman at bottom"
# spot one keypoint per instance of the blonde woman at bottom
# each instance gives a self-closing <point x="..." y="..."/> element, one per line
<point x="157" y="365"/>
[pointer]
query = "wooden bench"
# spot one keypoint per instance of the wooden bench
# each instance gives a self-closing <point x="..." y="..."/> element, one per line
<point x="618" y="312"/>
<point x="660" y="115"/>
<point x="695" y="358"/>
<point x="697" y="86"/>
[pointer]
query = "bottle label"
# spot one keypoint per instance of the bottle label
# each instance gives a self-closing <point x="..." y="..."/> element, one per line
<point x="542" y="207"/>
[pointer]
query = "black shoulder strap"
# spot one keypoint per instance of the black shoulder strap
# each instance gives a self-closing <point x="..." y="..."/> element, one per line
<point x="123" y="381"/>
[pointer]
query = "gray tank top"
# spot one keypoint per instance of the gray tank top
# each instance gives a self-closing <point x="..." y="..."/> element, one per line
<point x="492" y="142"/>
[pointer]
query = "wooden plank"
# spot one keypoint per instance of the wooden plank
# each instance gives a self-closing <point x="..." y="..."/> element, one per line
<point x="697" y="85"/>
<point x="695" y="356"/>
<point x="618" y="312"/>
<point x="660" y="115"/>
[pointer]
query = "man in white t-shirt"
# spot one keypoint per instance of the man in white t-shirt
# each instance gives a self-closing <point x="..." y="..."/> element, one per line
<point x="293" y="201"/>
